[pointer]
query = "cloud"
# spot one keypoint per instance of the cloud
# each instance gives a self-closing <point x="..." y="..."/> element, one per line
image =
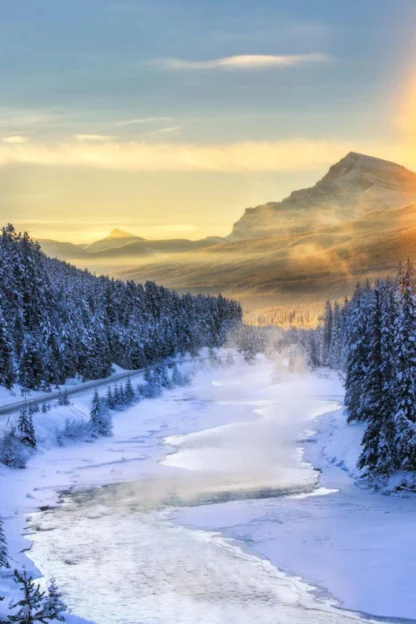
<point x="243" y="61"/>
<point x="244" y="156"/>
<point x="81" y="138"/>
<point x="143" y="120"/>
<point x="15" y="139"/>
<point x="162" y="132"/>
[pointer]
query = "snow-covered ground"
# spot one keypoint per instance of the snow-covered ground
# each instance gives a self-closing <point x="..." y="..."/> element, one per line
<point x="153" y="543"/>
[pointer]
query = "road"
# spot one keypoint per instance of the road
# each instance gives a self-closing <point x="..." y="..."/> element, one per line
<point x="49" y="396"/>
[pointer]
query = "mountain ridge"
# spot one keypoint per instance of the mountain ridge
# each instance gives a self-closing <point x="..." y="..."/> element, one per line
<point x="353" y="186"/>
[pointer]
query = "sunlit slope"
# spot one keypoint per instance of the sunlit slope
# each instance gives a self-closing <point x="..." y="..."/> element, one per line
<point x="325" y="263"/>
<point x="355" y="186"/>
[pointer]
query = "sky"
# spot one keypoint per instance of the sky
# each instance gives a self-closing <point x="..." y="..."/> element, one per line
<point x="167" y="118"/>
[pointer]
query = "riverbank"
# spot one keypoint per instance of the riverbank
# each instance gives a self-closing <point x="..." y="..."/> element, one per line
<point x="133" y="452"/>
<point x="354" y="545"/>
<point x="232" y="435"/>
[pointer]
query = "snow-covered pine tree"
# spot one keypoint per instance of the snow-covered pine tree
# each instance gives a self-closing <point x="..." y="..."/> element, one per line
<point x="335" y="347"/>
<point x="163" y="374"/>
<point x="95" y="413"/>
<point x="110" y="398"/>
<point x="31" y="363"/>
<point x="405" y="382"/>
<point x="12" y="452"/>
<point x="7" y="373"/>
<point x="358" y="341"/>
<point x="54" y="605"/>
<point x="122" y="394"/>
<point x="25" y="428"/>
<point x="153" y="387"/>
<point x="100" y="419"/>
<point x="117" y="396"/>
<point x="35" y="606"/>
<point x="372" y="390"/>
<point x="129" y="392"/>
<point x="4" y="554"/>
<point x="327" y="335"/>
<point x="386" y="447"/>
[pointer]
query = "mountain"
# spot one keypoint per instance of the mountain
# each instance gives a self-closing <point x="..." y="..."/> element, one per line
<point x="358" y="221"/>
<point x="117" y="238"/>
<point x="356" y="185"/>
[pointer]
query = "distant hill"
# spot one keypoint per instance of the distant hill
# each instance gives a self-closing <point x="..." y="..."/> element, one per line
<point x="121" y="247"/>
<point x="63" y="251"/>
<point x="116" y="239"/>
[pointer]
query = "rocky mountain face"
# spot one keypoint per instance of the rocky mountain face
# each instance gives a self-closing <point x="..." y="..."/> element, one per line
<point x="353" y="187"/>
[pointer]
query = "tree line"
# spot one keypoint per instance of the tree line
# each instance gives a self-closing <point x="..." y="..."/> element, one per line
<point x="59" y="322"/>
<point x="372" y="338"/>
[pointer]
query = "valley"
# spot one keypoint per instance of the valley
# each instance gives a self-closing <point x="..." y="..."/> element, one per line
<point x="356" y="223"/>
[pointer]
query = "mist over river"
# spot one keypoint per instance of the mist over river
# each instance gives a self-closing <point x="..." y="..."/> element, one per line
<point x="115" y="549"/>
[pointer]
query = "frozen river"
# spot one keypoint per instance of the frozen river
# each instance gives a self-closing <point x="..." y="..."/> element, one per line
<point x="115" y="549"/>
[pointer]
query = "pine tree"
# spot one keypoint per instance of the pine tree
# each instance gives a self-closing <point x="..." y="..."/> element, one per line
<point x="44" y="408"/>
<point x="4" y="555"/>
<point x="358" y="341"/>
<point x="100" y="420"/>
<point x="7" y="373"/>
<point x="110" y="398"/>
<point x="129" y="392"/>
<point x="54" y="604"/>
<point x="372" y="392"/>
<point x="12" y="451"/>
<point x="162" y="372"/>
<point x="26" y="429"/>
<point x="35" y="605"/>
<point x="31" y="363"/>
<point x="95" y="413"/>
<point x="405" y="343"/>
<point x="327" y="336"/>
<point x="153" y="387"/>
<point x="122" y="394"/>
<point x="386" y="447"/>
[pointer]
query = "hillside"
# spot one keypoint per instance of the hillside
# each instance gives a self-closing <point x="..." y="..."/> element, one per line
<point x="295" y="268"/>
<point x="57" y="322"/>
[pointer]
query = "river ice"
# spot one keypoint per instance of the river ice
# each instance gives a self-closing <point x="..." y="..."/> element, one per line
<point x="178" y="518"/>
